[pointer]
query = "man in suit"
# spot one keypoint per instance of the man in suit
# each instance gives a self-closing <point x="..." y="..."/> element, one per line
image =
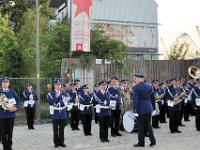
<point x="8" y="114"/>
<point x="116" y="95"/>
<point x="58" y="112"/>
<point x="143" y="105"/>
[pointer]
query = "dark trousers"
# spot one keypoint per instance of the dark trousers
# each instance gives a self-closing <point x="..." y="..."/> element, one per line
<point x="174" y="120"/>
<point x="6" y="125"/>
<point x="144" y="125"/>
<point x="181" y="113"/>
<point x="197" y="119"/>
<point x="115" y="118"/>
<point x="104" y="122"/>
<point x="58" y="131"/>
<point x="155" y="121"/>
<point x="30" y="115"/>
<point x="74" y="119"/>
<point x="96" y="116"/>
<point x="162" y="114"/>
<point x="187" y="111"/>
<point x="87" y="121"/>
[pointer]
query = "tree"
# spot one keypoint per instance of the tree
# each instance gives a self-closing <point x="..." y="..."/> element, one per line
<point x="11" y="60"/>
<point x="178" y="51"/>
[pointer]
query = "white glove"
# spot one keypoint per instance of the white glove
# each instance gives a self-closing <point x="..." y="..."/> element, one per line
<point x="105" y="103"/>
<point x="154" y="113"/>
<point x="135" y="114"/>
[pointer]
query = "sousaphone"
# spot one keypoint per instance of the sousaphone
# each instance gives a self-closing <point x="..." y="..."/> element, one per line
<point x="194" y="72"/>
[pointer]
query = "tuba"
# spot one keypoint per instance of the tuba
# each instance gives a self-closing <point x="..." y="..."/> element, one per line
<point x="194" y="72"/>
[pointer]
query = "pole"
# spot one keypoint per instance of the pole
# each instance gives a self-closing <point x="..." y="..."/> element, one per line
<point x="70" y="53"/>
<point x="37" y="61"/>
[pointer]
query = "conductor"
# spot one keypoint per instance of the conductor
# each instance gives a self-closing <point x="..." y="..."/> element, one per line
<point x="143" y="106"/>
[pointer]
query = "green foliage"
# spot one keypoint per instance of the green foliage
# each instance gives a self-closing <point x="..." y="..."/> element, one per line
<point x="178" y="51"/>
<point x="10" y="55"/>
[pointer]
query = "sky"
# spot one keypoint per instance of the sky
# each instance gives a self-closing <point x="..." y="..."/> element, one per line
<point x="176" y="17"/>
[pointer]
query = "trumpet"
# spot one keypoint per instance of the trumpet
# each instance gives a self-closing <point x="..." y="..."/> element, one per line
<point x="194" y="72"/>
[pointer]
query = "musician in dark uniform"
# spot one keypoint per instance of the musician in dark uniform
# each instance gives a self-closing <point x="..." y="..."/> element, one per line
<point x="187" y="102"/>
<point x="143" y="105"/>
<point x="163" y="103"/>
<point x="173" y="95"/>
<point x="30" y="99"/>
<point x="97" y="87"/>
<point x="196" y="104"/>
<point x="157" y="94"/>
<point x="78" y="85"/>
<point x="180" y="86"/>
<point x="86" y="102"/>
<point x="59" y="113"/>
<point x="102" y="98"/>
<point x="7" y="117"/>
<point x="74" y="120"/>
<point x="116" y="95"/>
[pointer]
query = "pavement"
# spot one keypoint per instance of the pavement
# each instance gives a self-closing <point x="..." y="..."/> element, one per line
<point x="42" y="139"/>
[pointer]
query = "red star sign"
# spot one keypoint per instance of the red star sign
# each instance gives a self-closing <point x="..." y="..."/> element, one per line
<point x="83" y="6"/>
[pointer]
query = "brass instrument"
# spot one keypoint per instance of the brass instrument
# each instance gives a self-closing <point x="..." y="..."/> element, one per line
<point x="179" y="98"/>
<point x="4" y="102"/>
<point x="194" y="72"/>
<point x="159" y="98"/>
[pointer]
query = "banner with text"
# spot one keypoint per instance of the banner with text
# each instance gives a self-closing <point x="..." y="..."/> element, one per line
<point x="81" y="25"/>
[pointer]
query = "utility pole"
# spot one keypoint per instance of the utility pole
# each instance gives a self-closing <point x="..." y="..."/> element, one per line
<point x="37" y="60"/>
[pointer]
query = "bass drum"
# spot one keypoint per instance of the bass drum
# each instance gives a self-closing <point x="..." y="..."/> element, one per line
<point x="129" y="121"/>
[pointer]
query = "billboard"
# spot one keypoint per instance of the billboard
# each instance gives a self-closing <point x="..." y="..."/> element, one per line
<point x="137" y="38"/>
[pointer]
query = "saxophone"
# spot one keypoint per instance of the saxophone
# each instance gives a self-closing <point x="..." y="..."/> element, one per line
<point x="179" y="99"/>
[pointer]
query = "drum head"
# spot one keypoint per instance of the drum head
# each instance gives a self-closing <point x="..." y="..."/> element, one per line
<point x="128" y="121"/>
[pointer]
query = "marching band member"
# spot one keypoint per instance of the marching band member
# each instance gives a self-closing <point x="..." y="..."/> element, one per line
<point x="143" y="105"/>
<point x="158" y="96"/>
<point x="74" y="120"/>
<point x="97" y="87"/>
<point x="102" y="99"/>
<point x="180" y="87"/>
<point x="56" y="100"/>
<point x="163" y="103"/>
<point x="78" y="85"/>
<point x="196" y="104"/>
<point x="187" y="101"/>
<point x="30" y="99"/>
<point x="173" y="96"/>
<point x="116" y="95"/>
<point x="125" y="101"/>
<point x="86" y="102"/>
<point x="10" y="104"/>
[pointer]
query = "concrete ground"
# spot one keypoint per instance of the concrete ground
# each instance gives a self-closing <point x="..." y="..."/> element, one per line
<point x="42" y="139"/>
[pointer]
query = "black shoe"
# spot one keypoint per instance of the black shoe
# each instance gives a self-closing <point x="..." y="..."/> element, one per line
<point x="113" y="135"/>
<point x="138" y="145"/>
<point x="102" y="140"/>
<point x="187" y="120"/>
<point x="29" y="128"/>
<point x="118" y="134"/>
<point x="172" y="132"/>
<point x="158" y="127"/>
<point x="177" y="131"/>
<point x="89" y="134"/>
<point x="62" y="145"/>
<point x="77" y="129"/>
<point x="182" y="125"/>
<point x="107" y="140"/>
<point x="56" y="146"/>
<point x="32" y="128"/>
<point x="152" y="144"/>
